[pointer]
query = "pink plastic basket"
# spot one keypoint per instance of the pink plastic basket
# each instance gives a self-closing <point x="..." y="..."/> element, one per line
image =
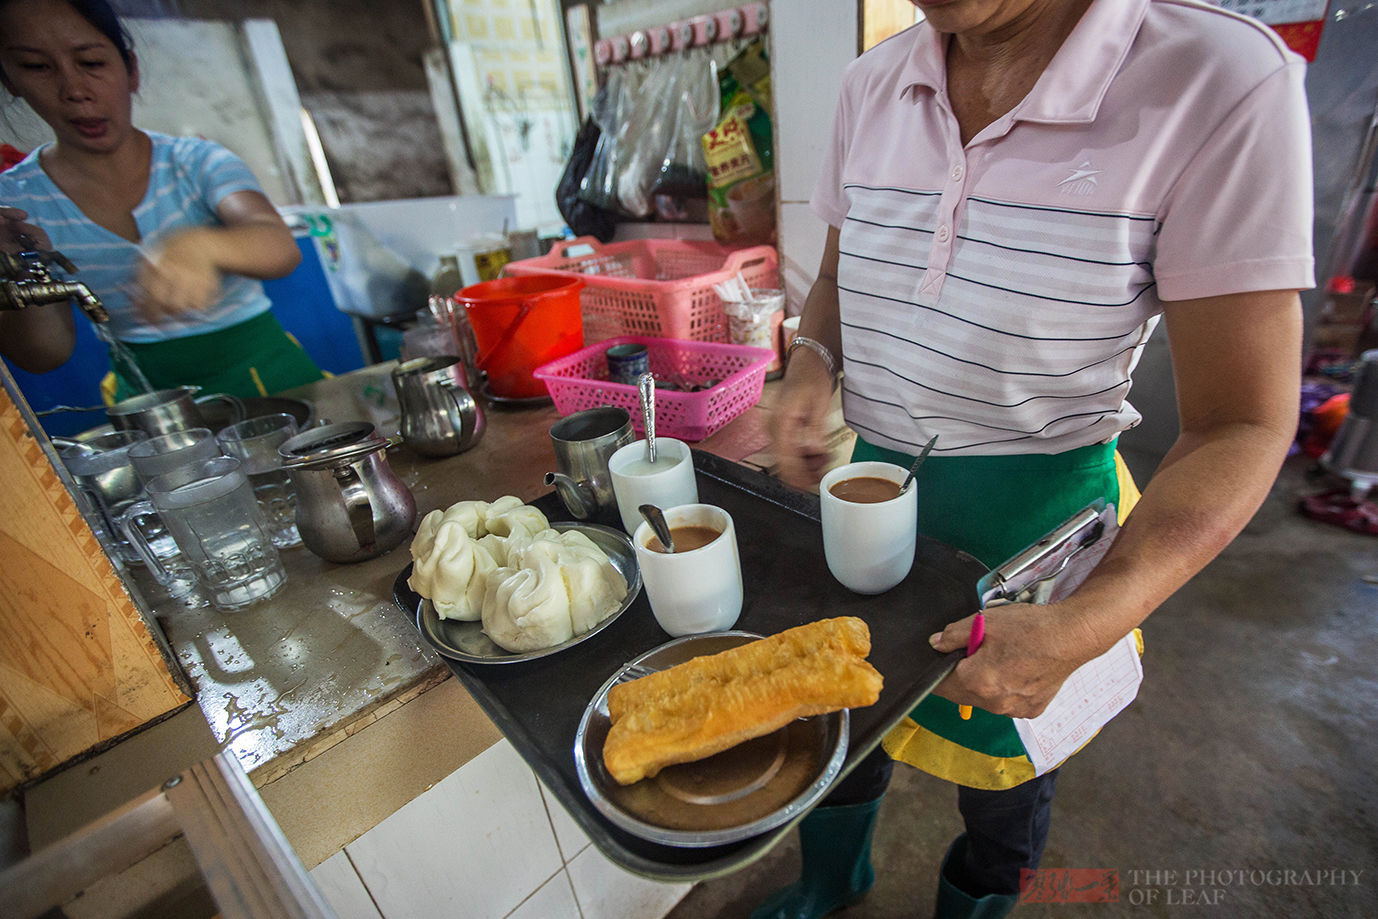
<point x="657" y="287"/>
<point x="580" y="381"/>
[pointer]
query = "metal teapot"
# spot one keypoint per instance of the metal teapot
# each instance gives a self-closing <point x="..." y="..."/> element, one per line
<point x="351" y="506"/>
<point x="583" y="443"/>
<point x="439" y="415"/>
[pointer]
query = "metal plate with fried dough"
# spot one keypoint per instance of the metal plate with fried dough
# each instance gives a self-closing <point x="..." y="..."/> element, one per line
<point x="733" y="795"/>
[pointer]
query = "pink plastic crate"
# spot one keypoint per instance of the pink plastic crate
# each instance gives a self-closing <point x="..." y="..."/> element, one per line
<point x="657" y="287"/>
<point x="580" y="381"/>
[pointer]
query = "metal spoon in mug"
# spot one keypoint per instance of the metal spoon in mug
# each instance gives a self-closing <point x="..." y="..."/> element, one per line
<point x="656" y="518"/>
<point x="918" y="461"/>
<point x="646" y="387"/>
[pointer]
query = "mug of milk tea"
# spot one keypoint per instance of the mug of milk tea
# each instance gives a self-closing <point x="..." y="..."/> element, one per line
<point x="868" y="525"/>
<point x="698" y="587"/>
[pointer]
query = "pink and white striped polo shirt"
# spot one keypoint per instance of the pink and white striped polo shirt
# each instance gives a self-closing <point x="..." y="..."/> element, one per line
<point x="1000" y="294"/>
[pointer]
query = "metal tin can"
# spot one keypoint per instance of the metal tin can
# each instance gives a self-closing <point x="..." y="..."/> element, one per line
<point x="627" y="362"/>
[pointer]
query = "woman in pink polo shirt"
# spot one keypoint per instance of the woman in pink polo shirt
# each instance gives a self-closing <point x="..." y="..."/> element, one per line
<point x="1017" y="192"/>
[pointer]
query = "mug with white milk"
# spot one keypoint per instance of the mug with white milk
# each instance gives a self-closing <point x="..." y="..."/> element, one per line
<point x="666" y="483"/>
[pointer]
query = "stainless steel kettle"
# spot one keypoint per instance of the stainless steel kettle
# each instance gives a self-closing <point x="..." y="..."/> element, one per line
<point x="1353" y="453"/>
<point x="351" y="506"/>
<point x="439" y="415"/>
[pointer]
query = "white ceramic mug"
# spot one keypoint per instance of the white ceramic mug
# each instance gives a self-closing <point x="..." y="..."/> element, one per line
<point x="698" y="590"/>
<point x="869" y="547"/>
<point x="668" y="484"/>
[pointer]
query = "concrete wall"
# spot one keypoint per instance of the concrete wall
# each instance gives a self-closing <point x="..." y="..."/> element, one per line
<point x="358" y="67"/>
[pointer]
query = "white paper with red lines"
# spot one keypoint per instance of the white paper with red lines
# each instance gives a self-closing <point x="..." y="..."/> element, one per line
<point x="1096" y="691"/>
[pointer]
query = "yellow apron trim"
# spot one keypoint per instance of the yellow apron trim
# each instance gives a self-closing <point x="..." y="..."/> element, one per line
<point x="109" y="385"/>
<point x="911" y="743"/>
<point x="293" y="339"/>
<point x="258" y="381"/>
<point x="1129" y="492"/>
<point x="919" y="747"/>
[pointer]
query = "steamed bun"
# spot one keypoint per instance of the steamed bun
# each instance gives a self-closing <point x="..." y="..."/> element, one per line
<point x="451" y="569"/>
<point x="527" y="609"/>
<point x="594" y="586"/>
<point x="508" y="515"/>
<point x="502" y="563"/>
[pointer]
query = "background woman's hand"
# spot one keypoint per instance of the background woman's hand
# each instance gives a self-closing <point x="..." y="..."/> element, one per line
<point x="177" y="277"/>
<point x="1027" y="654"/>
<point x="798" y="422"/>
<point x="17" y="234"/>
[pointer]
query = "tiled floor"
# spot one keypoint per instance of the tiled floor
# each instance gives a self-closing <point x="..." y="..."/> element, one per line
<point x="487" y="841"/>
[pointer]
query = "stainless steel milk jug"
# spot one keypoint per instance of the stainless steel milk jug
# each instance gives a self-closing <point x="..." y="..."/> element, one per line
<point x="439" y="415"/>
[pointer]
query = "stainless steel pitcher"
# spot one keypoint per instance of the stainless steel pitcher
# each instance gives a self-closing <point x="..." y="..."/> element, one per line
<point x="439" y="415"/>
<point x="168" y="410"/>
<point x="351" y="506"/>
<point x="583" y="442"/>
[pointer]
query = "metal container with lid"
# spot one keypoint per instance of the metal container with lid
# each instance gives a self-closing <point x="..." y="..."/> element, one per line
<point x="1353" y="453"/>
<point x="351" y="506"/>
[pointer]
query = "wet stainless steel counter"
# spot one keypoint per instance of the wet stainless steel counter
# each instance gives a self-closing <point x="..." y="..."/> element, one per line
<point x="286" y="679"/>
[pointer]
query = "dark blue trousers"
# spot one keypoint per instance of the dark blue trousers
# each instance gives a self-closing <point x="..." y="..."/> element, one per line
<point x="1005" y="833"/>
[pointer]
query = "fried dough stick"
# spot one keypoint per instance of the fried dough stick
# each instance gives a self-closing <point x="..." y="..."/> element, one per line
<point x="708" y="704"/>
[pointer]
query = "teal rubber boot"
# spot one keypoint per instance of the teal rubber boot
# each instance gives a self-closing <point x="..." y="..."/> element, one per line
<point x="955" y="903"/>
<point x="836" y="846"/>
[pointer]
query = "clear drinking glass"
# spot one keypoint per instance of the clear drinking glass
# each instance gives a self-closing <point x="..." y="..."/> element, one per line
<point x="107" y="485"/>
<point x="175" y="453"/>
<point x="211" y="512"/>
<point x="255" y="442"/>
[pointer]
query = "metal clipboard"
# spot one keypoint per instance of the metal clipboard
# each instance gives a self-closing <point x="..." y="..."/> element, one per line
<point x="1050" y="569"/>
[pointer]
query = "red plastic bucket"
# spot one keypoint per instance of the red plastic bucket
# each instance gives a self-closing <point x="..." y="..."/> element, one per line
<point x="521" y="323"/>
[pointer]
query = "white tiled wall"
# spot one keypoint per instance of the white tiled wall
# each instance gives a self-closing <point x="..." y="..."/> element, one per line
<point x="811" y="44"/>
<point x="488" y="842"/>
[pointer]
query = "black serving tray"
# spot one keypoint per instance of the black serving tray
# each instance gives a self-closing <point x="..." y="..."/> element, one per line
<point x="537" y="704"/>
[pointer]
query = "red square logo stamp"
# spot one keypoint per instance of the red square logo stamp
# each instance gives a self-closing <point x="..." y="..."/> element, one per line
<point x="1069" y="885"/>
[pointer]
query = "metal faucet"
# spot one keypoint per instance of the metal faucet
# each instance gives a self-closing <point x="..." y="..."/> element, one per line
<point x="28" y="282"/>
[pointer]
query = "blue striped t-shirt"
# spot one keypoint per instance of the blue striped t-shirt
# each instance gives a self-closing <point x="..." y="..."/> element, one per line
<point x="188" y="179"/>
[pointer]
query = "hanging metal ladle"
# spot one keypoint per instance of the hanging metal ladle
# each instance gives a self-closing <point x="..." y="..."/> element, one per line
<point x="646" y="387"/>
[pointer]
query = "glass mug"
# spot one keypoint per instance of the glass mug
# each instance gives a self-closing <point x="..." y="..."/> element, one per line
<point x="254" y="442"/>
<point x="108" y="485"/>
<point x="170" y="454"/>
<point x="210" y="510"/>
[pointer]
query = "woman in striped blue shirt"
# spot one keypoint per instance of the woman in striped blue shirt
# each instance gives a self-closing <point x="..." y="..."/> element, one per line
<point x="174" y="234"/>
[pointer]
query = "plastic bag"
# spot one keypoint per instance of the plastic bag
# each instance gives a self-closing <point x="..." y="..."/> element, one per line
<point x="683" y="172"/>
<point x="739" y="152"/>
<point x="583" y="218"/>
<point x="611" y="109"/>
<point x="646" y="136"/>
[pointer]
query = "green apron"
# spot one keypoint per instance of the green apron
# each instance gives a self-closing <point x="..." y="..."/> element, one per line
<point x="254" y="358"/>
<point x="992" y="507"/>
